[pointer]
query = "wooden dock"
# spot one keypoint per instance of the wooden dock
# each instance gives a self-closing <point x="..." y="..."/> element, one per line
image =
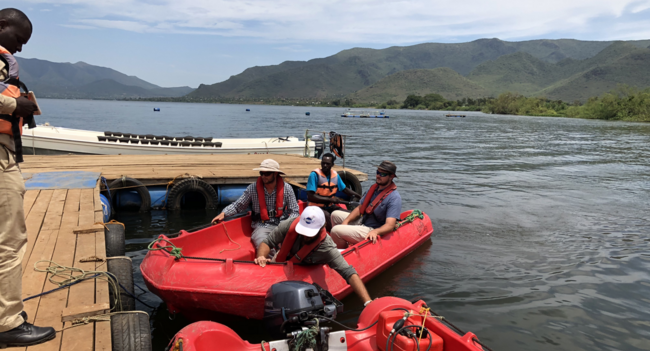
<point x="160" y="169"/>
<point x="51" y="217"/>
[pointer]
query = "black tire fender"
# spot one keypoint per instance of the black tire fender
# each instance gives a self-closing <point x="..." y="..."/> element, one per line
<point x="192" y="185"/>
<point x="122" y="269"/>
<point x="114" y="237"/>
<point x="131" y="332"/>
<point x="132" y="184"/>
<point x="351" y="181"/>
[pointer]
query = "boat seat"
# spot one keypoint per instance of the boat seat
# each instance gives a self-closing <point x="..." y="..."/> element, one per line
<point x="188" y="138"/>
<point x="199" y="139"/>
<point x="208" y="139"/>
<point x="134" y="141"/>
<point x="101" y="138"/>
<point x="217" y="144"/>
<point x="113" y="139"/>
<point x="164" y="142"/>
<point x="197" y="144"/>
<point x="147" y="136"/>
<point x="165" y="137"/>
<point x="155" y="142"/>
<point x="108" y="133"/>
<point x="128" y="135"/>
<point x="123" y="140"/>
<point x="185" y="143"/>
<point x="159" y="137"/>
<point x="173" y="143"/>
<point x="143" y="141"/>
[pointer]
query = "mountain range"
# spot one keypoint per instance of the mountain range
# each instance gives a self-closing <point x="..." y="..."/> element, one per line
<point x="564" y="69"/>
<point x="83" y="81"/>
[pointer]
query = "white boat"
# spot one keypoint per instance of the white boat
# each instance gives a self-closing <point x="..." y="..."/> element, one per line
<point x="46" y="139"/>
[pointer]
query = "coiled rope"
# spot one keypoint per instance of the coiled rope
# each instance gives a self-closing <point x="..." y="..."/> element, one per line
<point x="410" y="218"/>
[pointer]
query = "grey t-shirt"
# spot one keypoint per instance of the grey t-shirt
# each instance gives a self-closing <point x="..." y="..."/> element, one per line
<point x="391" y="207"/>
<point x="325" y="253"/>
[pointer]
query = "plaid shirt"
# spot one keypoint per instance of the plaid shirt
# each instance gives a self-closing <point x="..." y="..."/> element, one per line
<point x="249" y="197"/>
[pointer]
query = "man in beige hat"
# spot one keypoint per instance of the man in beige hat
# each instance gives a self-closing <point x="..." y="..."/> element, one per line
<point x="269" y="208"/>
<point x="377" y="215"/>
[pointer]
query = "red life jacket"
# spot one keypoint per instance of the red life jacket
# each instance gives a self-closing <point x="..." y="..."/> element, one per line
<point x="325" y="187"/>
<point x="279" y="198"/>
<point x="367" y="207"/>
<point x="304" y="251"/>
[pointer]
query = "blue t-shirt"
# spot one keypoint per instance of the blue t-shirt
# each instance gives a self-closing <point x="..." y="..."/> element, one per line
<point x="312" y="182"/>
<point x="391" y="207"/>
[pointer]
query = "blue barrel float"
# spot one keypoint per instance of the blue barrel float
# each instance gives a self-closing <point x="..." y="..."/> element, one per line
<point x="106" y="207"/>
<point x="248" y="110"/>
<point x="307" y="113"/>
<point x="156" y="109"/>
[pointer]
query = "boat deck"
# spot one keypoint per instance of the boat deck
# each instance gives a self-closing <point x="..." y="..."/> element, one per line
<point x="52" y="216"/>
<point x="160" y="169"/>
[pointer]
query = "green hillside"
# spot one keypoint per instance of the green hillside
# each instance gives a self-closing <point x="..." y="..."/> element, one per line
<point x="357" y="68"/>
<point x="398" y="86"/>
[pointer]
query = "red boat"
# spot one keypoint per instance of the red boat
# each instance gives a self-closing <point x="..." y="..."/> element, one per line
<point x="217" y="274"/>
<point x="385" y="311"/>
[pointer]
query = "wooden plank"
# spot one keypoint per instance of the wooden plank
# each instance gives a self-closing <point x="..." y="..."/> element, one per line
<point x="51" y="305"/>
<point x="88" y="229"/>
<point x="34" y="222"/>
<point x="82" y="294"/>
<point x="103" y="340"/>
<point x="28" y="200"/>
<point x="76" y="312"/>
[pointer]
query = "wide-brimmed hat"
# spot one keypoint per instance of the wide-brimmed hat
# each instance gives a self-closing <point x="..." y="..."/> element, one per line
<point x="269" y="165"/>
<point x="388" y="167"/>
<point x="311" y="221"/>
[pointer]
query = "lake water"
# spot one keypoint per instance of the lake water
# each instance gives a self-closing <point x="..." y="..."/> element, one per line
<point x="542" y="232"/>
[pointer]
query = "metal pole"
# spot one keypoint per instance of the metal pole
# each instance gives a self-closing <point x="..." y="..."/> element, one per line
<point x="306" y="152"/>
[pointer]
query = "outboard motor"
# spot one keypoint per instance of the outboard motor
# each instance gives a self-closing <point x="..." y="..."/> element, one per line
<point x="319" y="146"/>
<point x="292" y="307"/>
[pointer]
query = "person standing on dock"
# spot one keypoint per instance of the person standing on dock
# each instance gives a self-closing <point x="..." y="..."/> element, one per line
<point x="269" y="208"/>
<point x="15" y="31"/>
<point x="377" y="215"/>
<point x="323" y="184"/>
<point x="305" y="240"/>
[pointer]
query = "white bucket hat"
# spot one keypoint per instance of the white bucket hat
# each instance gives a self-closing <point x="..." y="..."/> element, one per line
<point x="312" y="220"/>
<point x="269" y="165"/>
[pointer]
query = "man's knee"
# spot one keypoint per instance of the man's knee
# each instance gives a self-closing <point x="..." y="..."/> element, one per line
<point x="338" y="217"/>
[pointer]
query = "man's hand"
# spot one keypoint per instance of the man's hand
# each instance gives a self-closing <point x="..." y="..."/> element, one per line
<point x="336" y="200"/>
<point x="219" y="218"/>
<point x="372" y="236"/>
<point x="25" y="107"/>
<point x="262" y="261"/>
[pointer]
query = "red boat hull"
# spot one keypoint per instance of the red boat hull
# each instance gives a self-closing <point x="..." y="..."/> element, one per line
<point x="204" y="336"/>
<point x="237" y="286"/>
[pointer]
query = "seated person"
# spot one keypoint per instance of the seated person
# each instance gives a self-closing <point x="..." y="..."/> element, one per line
<point x="268" y="208"/>
<point x="377" y="215"/>
<point x="322" y="185"/>
<point x="304" y="240"/>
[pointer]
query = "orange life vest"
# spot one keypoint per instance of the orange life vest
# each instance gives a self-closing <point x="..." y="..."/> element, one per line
<point x="9" y="87"/>
<point x="366" y="207"/>
<point x="325" y="187"/>
<point x="279" y="199"/>
<point x="304" y="251"/>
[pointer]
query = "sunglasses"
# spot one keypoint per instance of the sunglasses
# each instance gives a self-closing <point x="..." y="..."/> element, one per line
<point x="382" y="174"/>
<point x="266" y="174"/>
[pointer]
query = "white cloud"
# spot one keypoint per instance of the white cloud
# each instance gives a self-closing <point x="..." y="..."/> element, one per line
<point x="378" y="21"/>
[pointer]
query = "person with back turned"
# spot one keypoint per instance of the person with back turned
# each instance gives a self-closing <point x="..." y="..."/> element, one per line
<point x="323" y="184"/>
<point x="15" y="31"/>
<point x="305" y="240"/>
<point x="272" y="200"/>
<point x="377" y="215"/>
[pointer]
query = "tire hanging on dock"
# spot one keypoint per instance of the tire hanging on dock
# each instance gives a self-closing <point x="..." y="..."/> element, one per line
<point x="127" y="183"/>
<point x="192" y="185"/>
<point x="114" y="238"/>
<point x="351" y="181"/>
<point x="131" y="332"/>
<point x="122" y="268"/>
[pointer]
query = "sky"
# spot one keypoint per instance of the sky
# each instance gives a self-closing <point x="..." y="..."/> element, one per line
<point x="186" y="43"/>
